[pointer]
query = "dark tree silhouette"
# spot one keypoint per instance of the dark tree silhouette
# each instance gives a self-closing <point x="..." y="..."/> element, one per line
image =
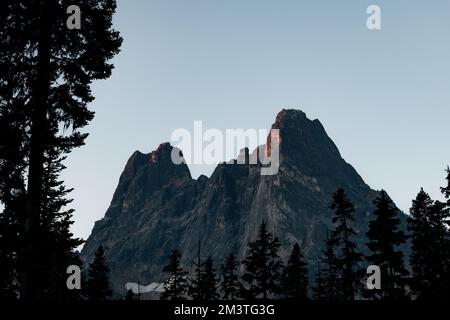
<point x="203" y="285"/>
<point x="295" y="276"/>
<point x="348" y="256"/>
<point x="319" y="288"/>
<point x="12" y="195"/>
<point x="446" y="192"/>
<point x="384" y="241"/>
<point x="176" y="285"/>
<point x="210" y="281"/>
<point x="54" y="245"/>
<point x="439" y="257"/>
<point x="44" y="96"/>
<point x="230" y="284"/>
<point x="10" y="227"/>
<point x="98" y="282"/>
<point x="130" y="296"/>
<point x="57" y="242"/>
<point x="196" y="285"/>
<point x="328" y="278"/>
<point x="262" y="266"/>
<point x="428" y="253"/>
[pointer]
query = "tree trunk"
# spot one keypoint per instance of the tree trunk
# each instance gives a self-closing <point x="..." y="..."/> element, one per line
<point x="38" y="140"/>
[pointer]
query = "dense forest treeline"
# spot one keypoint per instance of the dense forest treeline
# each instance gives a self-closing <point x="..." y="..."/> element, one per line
<point x="339" y="273"/>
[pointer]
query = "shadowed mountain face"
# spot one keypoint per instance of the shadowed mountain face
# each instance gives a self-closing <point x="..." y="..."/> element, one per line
<point x="157" y="206"/>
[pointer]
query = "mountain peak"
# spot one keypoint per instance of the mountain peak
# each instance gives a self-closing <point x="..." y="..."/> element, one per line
<point x="162" y="153"/>
<point x="289" y="114"/>
<point x="157" y="206"/>
<point x="294" y="119"/>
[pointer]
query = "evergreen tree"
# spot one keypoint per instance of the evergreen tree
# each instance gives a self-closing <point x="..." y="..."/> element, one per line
<point x="130" y="296"/>
<point x="428" y="247"/>
<point x="176" y="286"/>
<point x="348" y="256"/>
<point x="384" y="240"/>
<point x="330" y="276"/>
<point x="54" y="246"/>
<point x="295" y="276"/>
<point x="9" y="227"/>
<point x="10" y="230"/>
<point x="319" y="289"/>
<point x="56" y="242"/>
<point x="44" y="97"/>
<point x="98" y="282"/>
<point x="439" y="257"/>
<point x="262" y="266"/>
<point x="12" y="199"/>
<point x="196" y="286"/>
<point x="446" y="192"/>
<point x="210" y="281"/>
<point x="204" y="284"/>
<point x="230" y="284"/>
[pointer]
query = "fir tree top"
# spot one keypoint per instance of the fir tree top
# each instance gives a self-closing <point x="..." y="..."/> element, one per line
<point x="98" y="282"/>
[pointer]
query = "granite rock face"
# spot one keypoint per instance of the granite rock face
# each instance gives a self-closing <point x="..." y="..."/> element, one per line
<point x="157" y="206"/>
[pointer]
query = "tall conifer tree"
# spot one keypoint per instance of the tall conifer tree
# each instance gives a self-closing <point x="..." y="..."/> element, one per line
<point x="262" y="266"/>
<point x="12" y="190"/>
<point x="204" y="284"/>
<point x="384" y="241"/>
<point x="295" y="276"/>
<point x="330" y="275"/>
<point x="230" y="284"/>
<point x="446" y="192"/>
<point x="98" y="287"/>
<point x="176" y="285"/>
<point x="318" y="288"/>
<point x="196" y="283"/>
<point x="347" y="253"/>
<point x="428" y="247"/>
<point x="44" y="97"/>
<point x="210" y="281"/>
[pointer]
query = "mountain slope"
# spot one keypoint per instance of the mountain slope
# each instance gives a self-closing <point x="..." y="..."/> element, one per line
<point x="157" y="206"/>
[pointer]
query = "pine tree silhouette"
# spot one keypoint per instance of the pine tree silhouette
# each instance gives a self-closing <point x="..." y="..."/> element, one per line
<point x="428" y="247"/>
<point x="210" y="281"/>
<point x="10" y="227"/>
<point x="319" y="284"/>
<point x="446" y="192"/>
<point x="384" y="240"/>
<point x="176" y="285"/>
<point x="230" y="284"/>
<point x="295" y="276"/>
<point x="48" y="89"/>
<point x="330" y="274"/>
<point x="98" y="282"/>
<point x="196" y="285"/>
<point x="347" y="254"/>
<point x="262" y="266"/>
<point x="438" y="220"/>
<point x="54" y="245"/>
<point x="204" y="283"/>
<point x="12" y="195"/>
<point x="130" y="296"/>
<point x="56" y="240"/>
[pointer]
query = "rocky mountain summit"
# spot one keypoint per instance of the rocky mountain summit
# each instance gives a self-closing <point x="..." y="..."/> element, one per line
<point x="158" y="206"/>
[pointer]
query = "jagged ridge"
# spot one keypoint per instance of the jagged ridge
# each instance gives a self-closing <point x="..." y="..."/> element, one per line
<point x="157" y="205"/>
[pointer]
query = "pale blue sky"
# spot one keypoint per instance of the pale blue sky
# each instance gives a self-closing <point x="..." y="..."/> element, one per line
<point x="383" y="96"/>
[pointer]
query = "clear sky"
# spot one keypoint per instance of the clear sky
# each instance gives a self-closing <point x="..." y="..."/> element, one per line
<point x="383" y="96"/>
